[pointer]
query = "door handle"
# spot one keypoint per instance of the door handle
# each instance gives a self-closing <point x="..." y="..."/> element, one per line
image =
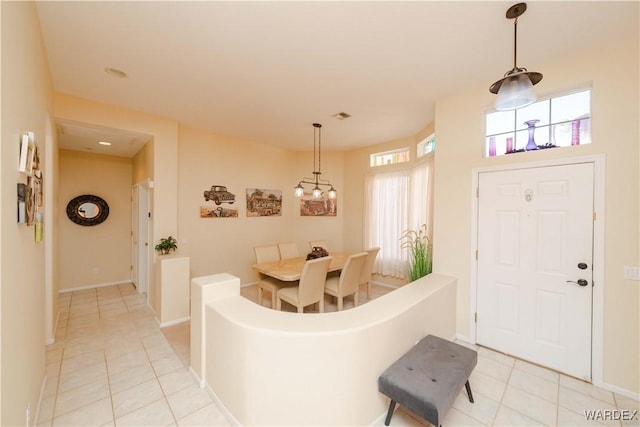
<point x="580" y="282"/>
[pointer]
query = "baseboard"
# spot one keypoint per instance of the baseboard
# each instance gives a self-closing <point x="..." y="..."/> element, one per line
<point x="464" y="338"/>
<point x="382" y="418"/>
<point x="175" y="322"/>
<point x="196" y="377"/>
<point x="225" y="412"/>
<point x="52" y="340"/>
<point x="619" y="390"/>
<point x="94" y="286"/>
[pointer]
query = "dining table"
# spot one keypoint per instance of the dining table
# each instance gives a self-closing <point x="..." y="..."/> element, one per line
<point x="290" y="269"/>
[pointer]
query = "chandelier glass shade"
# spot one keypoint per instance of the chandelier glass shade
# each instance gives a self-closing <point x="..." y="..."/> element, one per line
<point x="316" y="181"/>
<point x="515" y="88"/>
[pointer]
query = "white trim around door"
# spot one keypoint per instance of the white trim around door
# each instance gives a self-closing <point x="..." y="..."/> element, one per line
<point x="598" y="162"/>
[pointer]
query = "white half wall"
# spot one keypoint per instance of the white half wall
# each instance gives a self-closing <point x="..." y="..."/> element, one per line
<point x="278" y="368"/>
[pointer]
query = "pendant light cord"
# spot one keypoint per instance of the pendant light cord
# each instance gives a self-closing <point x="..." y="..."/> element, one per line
<point x="515" y="43"/>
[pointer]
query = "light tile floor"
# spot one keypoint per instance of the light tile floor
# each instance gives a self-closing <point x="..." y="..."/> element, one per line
<point x="112" y="365"/>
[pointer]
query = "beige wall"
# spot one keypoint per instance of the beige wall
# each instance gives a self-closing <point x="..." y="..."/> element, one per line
<point x="216" y="245"/>
<point x="613" y="74"/>
<point x="100" y="254"/>
<point x="26" y="101"/>
<point x="164" y="150"/>
<point x="143" y="164"/>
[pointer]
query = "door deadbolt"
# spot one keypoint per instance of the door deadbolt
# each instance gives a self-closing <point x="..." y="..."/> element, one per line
<point x="582" y="266"/>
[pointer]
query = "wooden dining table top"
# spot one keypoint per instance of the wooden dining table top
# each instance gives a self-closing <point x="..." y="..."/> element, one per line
<point x="290" y="269"/>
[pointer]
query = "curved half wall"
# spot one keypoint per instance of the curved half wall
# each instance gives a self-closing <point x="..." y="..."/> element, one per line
<point x="267" y="367"/>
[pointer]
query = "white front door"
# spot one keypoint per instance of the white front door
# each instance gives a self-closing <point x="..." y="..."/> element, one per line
<point x="535" y="251"/>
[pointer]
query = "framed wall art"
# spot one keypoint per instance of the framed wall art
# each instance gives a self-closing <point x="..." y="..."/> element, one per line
<point x="318" y="206"/>
<point x="261" y="202"/>
<point x="217" y="212"/>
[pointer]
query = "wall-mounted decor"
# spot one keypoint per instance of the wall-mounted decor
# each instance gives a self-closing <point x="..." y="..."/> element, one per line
<point x="22" y="203"/>
<point x="219" y="194"/>
<point x="318" y="206"/>
<point x="27" y="153"/>
<point x="30" y="200"/>
<point x="217" y="212"/>
<point x="87" y="210"/>
<point x="264" y="202"/>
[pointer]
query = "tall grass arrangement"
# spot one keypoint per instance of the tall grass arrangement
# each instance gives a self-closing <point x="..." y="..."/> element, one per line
<point x="420" y="248"/>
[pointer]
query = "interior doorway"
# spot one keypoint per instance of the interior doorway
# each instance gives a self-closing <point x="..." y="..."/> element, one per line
<point x="140" y="250"/>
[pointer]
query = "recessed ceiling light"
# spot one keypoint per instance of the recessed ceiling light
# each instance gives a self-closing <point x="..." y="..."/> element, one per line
<point x="104" y="143"/>
<point x="116" y="73"/>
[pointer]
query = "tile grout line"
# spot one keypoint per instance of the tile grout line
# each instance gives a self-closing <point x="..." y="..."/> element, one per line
<point x="155" y="373"/>
<point x="113" y="409"/>
<point x="55" y="397"/>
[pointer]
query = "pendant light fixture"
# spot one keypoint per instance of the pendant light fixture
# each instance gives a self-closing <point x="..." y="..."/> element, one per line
<point x="515" y="89"/>
<point x="316" y="181"/>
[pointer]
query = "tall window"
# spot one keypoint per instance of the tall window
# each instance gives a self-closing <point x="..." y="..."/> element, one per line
<point x="397" y="201"/>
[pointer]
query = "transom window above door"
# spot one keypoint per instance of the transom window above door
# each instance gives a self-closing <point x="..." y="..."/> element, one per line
<point x="562" y="121"/>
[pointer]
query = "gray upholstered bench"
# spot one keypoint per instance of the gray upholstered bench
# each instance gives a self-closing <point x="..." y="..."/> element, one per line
<point x="427" y="379"/>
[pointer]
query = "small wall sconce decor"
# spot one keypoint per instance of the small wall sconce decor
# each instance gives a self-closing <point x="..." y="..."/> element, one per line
<point x="87" y="210"/>
<point x="515" y="88"/>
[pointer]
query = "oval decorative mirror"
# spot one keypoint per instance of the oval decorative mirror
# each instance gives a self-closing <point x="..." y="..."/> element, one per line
<point x="87" y="210"/>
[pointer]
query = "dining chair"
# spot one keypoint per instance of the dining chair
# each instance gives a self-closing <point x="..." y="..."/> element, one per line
<point x="365" y="278"/>
<point x="310" y="289"/>
<point x="269" y="254"/>
<point x="288" y="250"/>
<point x="348" y="282"/>
<point x="318" y="243"/>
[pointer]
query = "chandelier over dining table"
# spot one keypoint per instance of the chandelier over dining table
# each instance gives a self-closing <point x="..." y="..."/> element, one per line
<point x="316" y="181"/>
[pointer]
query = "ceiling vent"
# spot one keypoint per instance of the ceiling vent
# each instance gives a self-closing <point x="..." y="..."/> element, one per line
<point x="341" y="116"/>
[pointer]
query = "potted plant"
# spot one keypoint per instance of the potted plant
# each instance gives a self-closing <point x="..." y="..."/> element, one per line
<point x="166" y="245"/>
<point x="419" y="246"/>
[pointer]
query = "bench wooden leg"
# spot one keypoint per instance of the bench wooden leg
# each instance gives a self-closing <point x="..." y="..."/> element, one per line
<point x="468" y="387"/>
<point x="392" y="406"/>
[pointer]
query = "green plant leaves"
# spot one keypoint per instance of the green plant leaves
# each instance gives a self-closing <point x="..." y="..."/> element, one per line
<point x="420" y="252"/>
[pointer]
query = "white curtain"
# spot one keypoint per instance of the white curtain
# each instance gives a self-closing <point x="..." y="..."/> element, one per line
<point x="387" y="214"/>
<point x="421" y="200"/>
<point x="396" y="202"/>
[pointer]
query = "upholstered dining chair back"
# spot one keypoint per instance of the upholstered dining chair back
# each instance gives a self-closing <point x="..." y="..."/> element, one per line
<point x="349" y="280"/>
<point x="318" y="243"/>
<point x="265" y="283"/>
<point x="288" y="250"/>
<point x="311" y="288"/>
<point x="365" y="277"/>
<point x="266" y="253"/>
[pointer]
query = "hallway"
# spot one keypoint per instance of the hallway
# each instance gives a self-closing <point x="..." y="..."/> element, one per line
<point x="112" y="365"/>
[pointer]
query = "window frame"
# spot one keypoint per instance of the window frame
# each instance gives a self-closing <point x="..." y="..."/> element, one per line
<point x="518" y="130"/>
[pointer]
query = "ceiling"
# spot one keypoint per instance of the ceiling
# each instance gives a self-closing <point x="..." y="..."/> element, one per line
<point x="265" y="71"/>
